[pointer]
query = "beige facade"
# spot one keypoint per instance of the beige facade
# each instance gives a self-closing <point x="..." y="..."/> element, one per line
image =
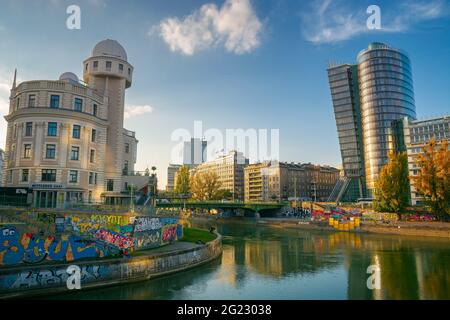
<point x="171" y="176"/>
<point x="417" y="133"/>
<point x="280" y="181"/>
<point x="230" y="170"/>
<point x="65" y="138"/>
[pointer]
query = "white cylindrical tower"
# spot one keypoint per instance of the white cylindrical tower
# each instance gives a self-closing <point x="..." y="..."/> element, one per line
<point x="108" y="72"/>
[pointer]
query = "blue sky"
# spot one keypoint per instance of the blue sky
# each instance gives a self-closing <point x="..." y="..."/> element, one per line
<point x="229" y="63"/>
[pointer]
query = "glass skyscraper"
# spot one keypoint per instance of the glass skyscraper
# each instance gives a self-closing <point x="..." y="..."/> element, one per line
<point x="367" y="97"/>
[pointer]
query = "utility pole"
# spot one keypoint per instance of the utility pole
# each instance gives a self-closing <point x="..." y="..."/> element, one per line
<point x="132" y="199"/>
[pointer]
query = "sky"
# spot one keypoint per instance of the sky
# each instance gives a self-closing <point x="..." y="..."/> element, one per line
<point x="249" y="64"/>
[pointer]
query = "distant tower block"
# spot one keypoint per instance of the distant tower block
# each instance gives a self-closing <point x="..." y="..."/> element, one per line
<point x="108" y="71"/>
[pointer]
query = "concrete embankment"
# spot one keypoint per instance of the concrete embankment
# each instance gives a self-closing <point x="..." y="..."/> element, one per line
<point x="30" y="280"/>
<point x="421" y="229"/>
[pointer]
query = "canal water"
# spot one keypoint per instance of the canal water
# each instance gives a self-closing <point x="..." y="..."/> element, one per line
<point x="271" y="263"/>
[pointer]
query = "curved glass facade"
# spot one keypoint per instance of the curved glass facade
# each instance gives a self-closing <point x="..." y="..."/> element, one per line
<point x="386" y="94"/>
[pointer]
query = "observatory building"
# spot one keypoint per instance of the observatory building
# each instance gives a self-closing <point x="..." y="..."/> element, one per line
<point x="65" y="141"/>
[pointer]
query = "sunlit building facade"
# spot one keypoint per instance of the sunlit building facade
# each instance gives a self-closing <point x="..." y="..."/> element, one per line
<point x="65" y="138"/>
<point x="230" y="171"/>
<point x="411" y="136"/>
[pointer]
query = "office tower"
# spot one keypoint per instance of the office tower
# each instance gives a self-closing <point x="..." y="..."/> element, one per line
<point x="367" y="97"/>
<point x="194" y="152"/>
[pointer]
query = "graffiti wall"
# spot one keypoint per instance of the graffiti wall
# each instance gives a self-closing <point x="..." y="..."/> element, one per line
<point x="30" y="238"/>
<point x="99" y="273"/>
<point x="151" y="232"/>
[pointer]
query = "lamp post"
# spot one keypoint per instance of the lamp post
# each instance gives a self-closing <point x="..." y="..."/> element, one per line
<point x="131" y="198"/>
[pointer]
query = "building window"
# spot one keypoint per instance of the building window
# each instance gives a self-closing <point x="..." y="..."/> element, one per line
<point x="129" y="71"/>
<point x="95" y="178"/>
<point x="31" y="101"/>
<point x="48" y="175"/>
<point x="52" y="129"/>
<point x="93" y="135"/>
<point x="91" y="178"/>
<point x="17" y="103"/>
<point x="54" y="101"/>
<point x="27" y="151"/>
<point x="75" y="153"/>
<point x="78" y="105"/>
<point x="95" y="64"/>
<point x="127" y="147"/>
<point x="10" y="176"/>
<point x="86" y="67"/>
<point x="28" y="129"/>
<point x="76" y="131"/>
<point x="120" y="67"/>
<point x="50" y="151"/>
<point x="25" y="175"/>
<point x="92" y="156"/>
<point x="108" y="65"/>
<point x="110" y="185"/>
<point x="73" y="176"/>
<point x="125" y="167"/>
<point x="94" y="110"/>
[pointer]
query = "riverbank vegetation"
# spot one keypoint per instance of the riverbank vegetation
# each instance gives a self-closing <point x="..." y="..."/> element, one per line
<point x="196" y="235"/>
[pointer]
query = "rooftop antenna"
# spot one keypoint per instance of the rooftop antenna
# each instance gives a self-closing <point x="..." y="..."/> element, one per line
<point x="15" y="78"/>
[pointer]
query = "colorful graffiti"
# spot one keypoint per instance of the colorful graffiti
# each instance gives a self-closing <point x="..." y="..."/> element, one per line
<point x="30" y="248"/>
<point x="115" y="239"/>
<point x="147" y="223"/>
<point x="68" y="237"/>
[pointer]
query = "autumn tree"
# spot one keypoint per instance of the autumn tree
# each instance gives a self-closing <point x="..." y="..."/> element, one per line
<point x="182" y="184"/>
<point x="205" y="186"/>
<point x="433" y="177"/>
<point x="392" y="186"/>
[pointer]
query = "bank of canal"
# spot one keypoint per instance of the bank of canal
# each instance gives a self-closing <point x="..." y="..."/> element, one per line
<point x="261" y="262"/>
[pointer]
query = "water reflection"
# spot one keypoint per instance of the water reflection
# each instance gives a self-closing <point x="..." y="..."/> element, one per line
<point x="268" y="263"/>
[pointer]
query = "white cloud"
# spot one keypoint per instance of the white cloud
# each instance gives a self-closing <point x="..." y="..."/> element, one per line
<point x="235" y="25"/>
<point x="134" y="111"/>
<point x="333" y="21"/>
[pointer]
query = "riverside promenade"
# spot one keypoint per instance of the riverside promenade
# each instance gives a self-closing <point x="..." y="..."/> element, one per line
<point x="51" y="278"/>
<point x="404" y="228"/>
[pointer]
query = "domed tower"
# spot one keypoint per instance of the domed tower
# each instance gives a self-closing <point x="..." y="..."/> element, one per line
<point x="108" y="71"/>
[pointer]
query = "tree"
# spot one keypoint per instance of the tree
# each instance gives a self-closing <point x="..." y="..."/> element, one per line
<point x="182" y="183"/>
<point x="205" y="186"/>
<point x="433" y="177"/>
<point x="392" y="186"/>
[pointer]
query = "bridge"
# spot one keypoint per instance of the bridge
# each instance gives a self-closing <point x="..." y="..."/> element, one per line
<point x="257" y="207"/>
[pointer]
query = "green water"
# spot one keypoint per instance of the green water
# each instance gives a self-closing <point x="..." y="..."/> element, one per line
<point x="270" y="263"/>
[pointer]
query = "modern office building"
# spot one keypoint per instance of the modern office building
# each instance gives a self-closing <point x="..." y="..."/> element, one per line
<point x="172" y="170"/>
<point x="367" y="97"/>
<point x="65" y="138"/>
<point x="275" y="181"/>
<point x="229" y="169"/>
<point x="411" y="136"/>
<point x="194" y="152"/>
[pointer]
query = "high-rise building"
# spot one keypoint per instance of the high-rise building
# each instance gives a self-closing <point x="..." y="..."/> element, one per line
<point x="65" y="138"/>
<point x="411" y="136"/>
<point x="367" y="97"/>
<point x="172" y="169"/>
<point x="229" y="169"/>
<point x="194" y="152"/>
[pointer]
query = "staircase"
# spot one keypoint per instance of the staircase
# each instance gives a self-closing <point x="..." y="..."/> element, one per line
<point x="339" y="189"/>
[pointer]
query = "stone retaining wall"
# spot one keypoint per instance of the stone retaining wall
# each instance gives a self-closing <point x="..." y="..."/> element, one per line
<point x="49" y="279"/>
